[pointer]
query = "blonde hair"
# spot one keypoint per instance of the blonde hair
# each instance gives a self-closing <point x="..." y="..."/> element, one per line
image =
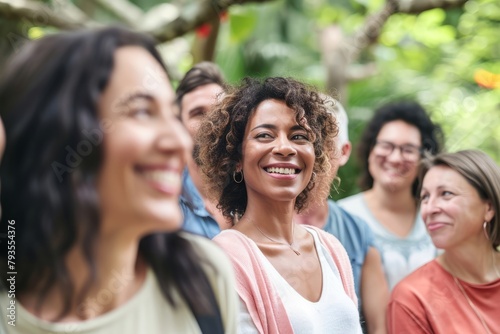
<point x="481" y="172"/>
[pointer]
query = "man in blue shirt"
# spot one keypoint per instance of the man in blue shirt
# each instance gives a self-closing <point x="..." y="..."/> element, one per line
<point x="196" y="94"/>
<point x="354" y="234"/>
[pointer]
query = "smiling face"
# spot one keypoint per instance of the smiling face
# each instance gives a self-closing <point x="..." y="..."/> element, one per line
<point x="393" y="172"/>
<point x="145" y="147"/>
<point x="278" y="157"/>
<point x="197" y="104"/>
<point x="452" y="209"/>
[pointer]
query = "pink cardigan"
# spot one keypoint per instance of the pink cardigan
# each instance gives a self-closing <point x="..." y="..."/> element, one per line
<point x="255" y="288"/>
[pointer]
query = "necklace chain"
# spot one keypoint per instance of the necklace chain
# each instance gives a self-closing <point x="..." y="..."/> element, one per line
<point x="471" y="304"/>
<point x="291" y="245"/>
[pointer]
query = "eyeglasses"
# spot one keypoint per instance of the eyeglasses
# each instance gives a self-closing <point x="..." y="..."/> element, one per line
<point x="409" y="152"/>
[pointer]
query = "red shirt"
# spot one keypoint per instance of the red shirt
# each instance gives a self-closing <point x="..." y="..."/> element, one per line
<point x="429" y="301"/>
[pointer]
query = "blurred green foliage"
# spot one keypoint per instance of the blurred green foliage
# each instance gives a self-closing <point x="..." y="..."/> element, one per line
<point x="435" y="57"/>
<point x="431" y="57"/>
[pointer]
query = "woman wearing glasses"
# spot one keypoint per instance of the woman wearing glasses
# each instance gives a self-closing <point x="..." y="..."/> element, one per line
<point x="390" y="151"/>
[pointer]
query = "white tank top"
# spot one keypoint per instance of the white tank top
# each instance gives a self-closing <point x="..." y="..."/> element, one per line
<point x="334" y="312"/>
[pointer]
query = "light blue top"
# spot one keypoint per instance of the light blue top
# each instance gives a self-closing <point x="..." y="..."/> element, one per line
<point x="400" y="256"/>
<point x="354" y="234"/>
<point x="197" y="220"/>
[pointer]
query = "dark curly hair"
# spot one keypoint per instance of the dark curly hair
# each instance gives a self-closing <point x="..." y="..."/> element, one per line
<point x="409" y="112"/>
<point x="220" y="138"/>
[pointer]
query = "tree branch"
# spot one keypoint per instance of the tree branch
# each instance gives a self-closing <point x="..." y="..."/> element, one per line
<point x="370" y="31"/>
<point x="71" y="12"/>
<point x="204" y="47"/>
<point x="39" y="14"/>
<point x="419" y="6"/>
<point x="193" y="16"/>
<point x="190" y="17"/>
<point x="333" y="45"/>
<point x="339" y="52"/>
<point x="124" y="10"/>
<point x="360" y="71"/>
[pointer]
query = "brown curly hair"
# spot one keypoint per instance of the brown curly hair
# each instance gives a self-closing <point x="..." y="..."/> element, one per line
<point x="220" y="138"/>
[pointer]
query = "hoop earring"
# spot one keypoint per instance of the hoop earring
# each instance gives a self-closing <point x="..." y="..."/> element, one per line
<point x="336" y="184"/>
<point x="485" y="225"/>
<point x="234" y="176"/>
<point x="236" y="216"/>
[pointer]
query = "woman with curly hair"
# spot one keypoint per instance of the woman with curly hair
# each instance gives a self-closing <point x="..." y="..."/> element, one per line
<point x="263" y="149"/>
<point x="91" y="180"/>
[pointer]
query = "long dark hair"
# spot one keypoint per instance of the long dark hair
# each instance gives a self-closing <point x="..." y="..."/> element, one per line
<point x="409" y="112"/>
<point x="48" y="96"/>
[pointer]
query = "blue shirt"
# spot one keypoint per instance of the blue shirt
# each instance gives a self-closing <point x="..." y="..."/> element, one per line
<point x="400" y="255"/>
<point x="354" y="234"/>
<point x="197" y="220"/>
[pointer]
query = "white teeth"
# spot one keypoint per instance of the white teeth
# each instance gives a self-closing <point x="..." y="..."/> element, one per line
<point x="166" y="177"/>
<point x="280" y="170"/>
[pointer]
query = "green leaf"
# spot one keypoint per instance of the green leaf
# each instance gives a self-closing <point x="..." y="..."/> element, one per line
<point x="242" y="23"/>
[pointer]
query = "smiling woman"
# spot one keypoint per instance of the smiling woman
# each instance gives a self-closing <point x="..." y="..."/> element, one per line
<point x="263" y="149"/>
<point x="389" y="152"/>
<point x="139" y="179"/>
<point x="459" y="291"/>
<point x="98" y="246"/>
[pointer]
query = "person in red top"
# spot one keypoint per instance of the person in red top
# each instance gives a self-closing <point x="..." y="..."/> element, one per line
<point x="458" y="292"/>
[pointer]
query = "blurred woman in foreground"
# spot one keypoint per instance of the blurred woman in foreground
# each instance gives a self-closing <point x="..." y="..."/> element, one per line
<point x="91" y="182"/>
